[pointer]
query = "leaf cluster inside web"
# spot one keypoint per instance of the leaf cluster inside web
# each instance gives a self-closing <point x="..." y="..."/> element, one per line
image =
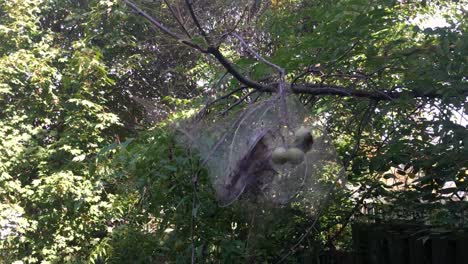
<point x="239" y="151"/>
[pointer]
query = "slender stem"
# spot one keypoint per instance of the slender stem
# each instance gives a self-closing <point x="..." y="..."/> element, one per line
<point x="241" y="78"/>
<point x="258" y="56"/>
<point x="178" y="19"/>
<point x="161" y="27"/>
<point x="238" y="102"/>
<point x="197" y="22"/>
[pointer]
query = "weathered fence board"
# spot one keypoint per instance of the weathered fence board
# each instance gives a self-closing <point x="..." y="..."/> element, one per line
<point x="408" y="244"/>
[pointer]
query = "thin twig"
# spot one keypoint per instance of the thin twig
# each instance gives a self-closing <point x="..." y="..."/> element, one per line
<point x="348" y="218"/>
<point x="395" y="129"/>
<point x="161" y="27"/>
<point x="197" y="22"/>
<point x="303" y="236"/>
<point x="232" y="92"/>
<point x="232" y="70"/>
<point x="365" y="119"/>
<point x="209" y="103"/>
<point x="333" y="62"/>
<point x="258" y="56"/>
<point x="284" y="118"/>
<point x="225" y="96"/>
<point x="223" y="36"/>
<point x="178" y="19"/>
<point x="310" y="100"/>
<point x="246" y="247"/>
<point x="313" y="70"/>
<point x="194" y="208"/>
<point x="238" y="102"/>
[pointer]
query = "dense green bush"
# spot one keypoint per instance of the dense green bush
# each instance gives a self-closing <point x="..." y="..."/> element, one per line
<point x="90" y="171"/>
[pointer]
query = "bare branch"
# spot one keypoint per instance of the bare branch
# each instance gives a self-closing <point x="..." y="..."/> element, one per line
<point x="241" y="78"/>
<point x="303" y="88"/>
<point x="313" y="70"/>
<point x="333" y="62"/>
<point x="238" y="102"/>
<point x="161" y="27"/>
<point x="230" y="93"/>
<point x="257" y="56"/>
<point x="197" y="22"/>
<point x="178" y="19"/>
<point x="364" y="121"/>
<point x="211" y="50"/>
<point x="205" y="108"/>
<point x="233" y="28"/>
<point x="324" y="89"/>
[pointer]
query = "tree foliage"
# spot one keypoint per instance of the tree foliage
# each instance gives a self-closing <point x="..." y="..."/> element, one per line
<point x="89" y="167"/>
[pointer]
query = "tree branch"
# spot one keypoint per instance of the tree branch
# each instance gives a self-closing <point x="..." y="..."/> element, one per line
<point x="178" y="19"/>
<point x="238" y="102"/>
<point x="324" y="89"/>
<point x="161" y="27"/>
<point x="197" y="22"/>
<point x="230" y="68"/>
<point x="302" y="88"/>
<point x="258" y="56"/>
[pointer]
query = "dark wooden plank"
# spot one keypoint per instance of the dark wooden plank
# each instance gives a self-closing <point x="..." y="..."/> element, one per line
<point x="398" y="250"/>
<point x="439" y="250"/>
<point x="416" y="250"/>
<point x="461" y="254"/>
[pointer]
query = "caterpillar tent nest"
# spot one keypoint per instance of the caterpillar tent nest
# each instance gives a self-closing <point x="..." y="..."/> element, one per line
<point x="270" y="151"/>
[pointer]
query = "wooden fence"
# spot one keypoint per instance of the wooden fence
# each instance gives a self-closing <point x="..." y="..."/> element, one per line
<point x="408" y="244"/>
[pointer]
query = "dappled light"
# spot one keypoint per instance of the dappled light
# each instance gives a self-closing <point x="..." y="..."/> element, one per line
<point x="220" y="131"/>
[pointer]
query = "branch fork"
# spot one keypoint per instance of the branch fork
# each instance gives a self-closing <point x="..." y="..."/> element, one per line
<point x="282" y="86"/>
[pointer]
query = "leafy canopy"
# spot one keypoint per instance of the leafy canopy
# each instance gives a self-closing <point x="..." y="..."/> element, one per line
<point x="89" y="173"/>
